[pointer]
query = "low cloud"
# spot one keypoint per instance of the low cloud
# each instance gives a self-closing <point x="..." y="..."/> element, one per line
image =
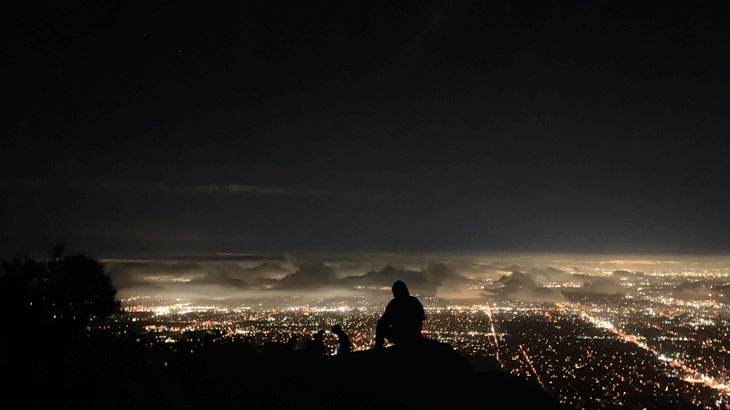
<point x="370" y="276"/>
<point x="601" y="285"/>
<point x="425" y="282"/>
<point x="626" y="275"/>
<point x="551" y="275"/>
<point x="160" y="267"/>
<point x="127" y="282"/>
<point x="695" y="291"/>
<point x="268" y="269"/>
<point x="128" y="274"/>
<point x="523" y="286"/>
<point x="219" y="278"/>
<point x="309" y="275"/>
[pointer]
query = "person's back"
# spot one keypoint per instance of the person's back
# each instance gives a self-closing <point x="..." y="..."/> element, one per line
<point x="403" y="318"/>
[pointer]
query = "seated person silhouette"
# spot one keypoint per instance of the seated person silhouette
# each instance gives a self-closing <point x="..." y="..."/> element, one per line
<point x="316" y="347"/>
<point x="343" y="341"/>
<point x="403" y="318"/>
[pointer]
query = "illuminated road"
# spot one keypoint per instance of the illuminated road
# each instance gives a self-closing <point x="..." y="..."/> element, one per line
<point x="527" y="358"/>
<point x="494" y="334"/>
<point x="692" y="375"/>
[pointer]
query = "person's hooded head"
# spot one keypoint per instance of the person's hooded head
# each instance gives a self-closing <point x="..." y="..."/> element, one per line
<point x="400" y="289"/>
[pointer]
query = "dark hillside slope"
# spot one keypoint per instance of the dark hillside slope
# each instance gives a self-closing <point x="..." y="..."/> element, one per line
<point x="122" y="374"/>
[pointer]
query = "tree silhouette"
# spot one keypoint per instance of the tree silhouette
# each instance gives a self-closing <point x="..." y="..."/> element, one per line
<point x="63" y="294"/>
<point x="80" y="289"/>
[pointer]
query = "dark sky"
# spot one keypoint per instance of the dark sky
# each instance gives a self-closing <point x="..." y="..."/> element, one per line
<point x="419" y="126"/>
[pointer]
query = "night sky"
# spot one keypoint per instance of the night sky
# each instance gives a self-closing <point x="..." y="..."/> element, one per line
<point x="270" y="126"/>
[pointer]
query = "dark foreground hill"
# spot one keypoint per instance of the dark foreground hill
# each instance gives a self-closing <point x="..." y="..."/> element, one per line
<point x="124" y="375"/>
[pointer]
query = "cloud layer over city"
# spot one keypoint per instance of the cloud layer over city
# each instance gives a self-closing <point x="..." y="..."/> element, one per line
<point x="537" y="278"/>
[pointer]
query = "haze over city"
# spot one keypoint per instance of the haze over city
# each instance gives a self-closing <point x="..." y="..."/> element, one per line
<point x="541" y="277"/>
